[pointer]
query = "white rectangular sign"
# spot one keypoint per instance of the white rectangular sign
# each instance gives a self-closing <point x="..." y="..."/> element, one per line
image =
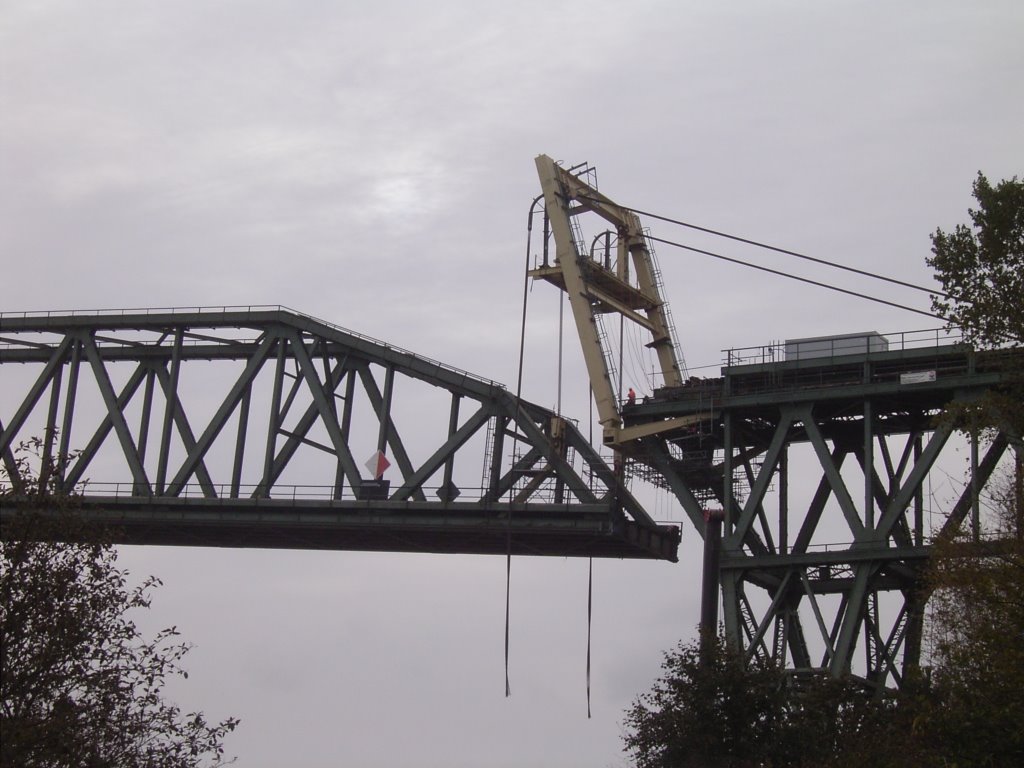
<point x="919" y="377"/>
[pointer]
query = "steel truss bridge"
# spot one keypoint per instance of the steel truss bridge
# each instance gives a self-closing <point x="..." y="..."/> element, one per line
<point x="249" y="427"/>
<point x="871" y="422"/>
<point x="280" y="397"/>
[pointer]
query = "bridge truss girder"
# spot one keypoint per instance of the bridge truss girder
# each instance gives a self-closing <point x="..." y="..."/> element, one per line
<point x="286" y="396"/>
<point x="874" y="442"/>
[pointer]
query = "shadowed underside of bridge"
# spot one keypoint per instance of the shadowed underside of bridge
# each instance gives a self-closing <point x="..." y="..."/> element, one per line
<point x="466" y="528"/>
<point x="262" y="427"/>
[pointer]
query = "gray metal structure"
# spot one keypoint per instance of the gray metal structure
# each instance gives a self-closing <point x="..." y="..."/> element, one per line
<point x="808" y="581"/>
<point x="249" y="427"/>
<point x="804" y="581"/>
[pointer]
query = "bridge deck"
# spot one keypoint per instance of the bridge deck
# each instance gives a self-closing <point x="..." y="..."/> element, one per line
<point x="381" y="526"/>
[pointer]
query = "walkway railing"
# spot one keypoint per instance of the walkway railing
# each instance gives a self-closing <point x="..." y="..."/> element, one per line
<point x="825" y="348"/>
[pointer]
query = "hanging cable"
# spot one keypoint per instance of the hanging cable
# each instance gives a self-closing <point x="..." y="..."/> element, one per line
<point x="561" y="313"/>
<point x="795" y="277"/>
<point x="590" y="614"/>
<point x="515" y="438"/>
<point x="785" y="251"/>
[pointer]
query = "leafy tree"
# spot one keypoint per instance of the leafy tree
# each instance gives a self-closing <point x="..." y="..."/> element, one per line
<point x="713" y="710"/>
<point x="977" y="613"/>
<point x="80" y="686"/>
<point x="981" y="267"/>
<point x="976" y="703"/>
<point x="708" y="709"/>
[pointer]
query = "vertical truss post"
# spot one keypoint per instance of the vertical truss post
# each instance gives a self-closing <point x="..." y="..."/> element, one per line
<point x="146" y="416"/>
<point x="710" y="578"/>
<point x="918" y="498"/>
<point x="274" y="423"/>
<point x="446" y="492"/>
<point x="69" y="413"/>
<point x="869" y="463"/>
<point x="243" y="426"/>
<point x="346" y="429"/>
<point x="51" y="428"/>
<point x="385" y="411"/>
<point x="784" y="500"/>
<point x="732" y="588"/>
<point x="169" y="406"/>
<point x="497" y="446"/>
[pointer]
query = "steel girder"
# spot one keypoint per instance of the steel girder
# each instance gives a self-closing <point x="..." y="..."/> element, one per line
<point x="250" y="427"/>
<point x="809" y="581"/>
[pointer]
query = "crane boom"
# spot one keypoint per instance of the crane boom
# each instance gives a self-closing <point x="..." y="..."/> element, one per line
<point x="629" y="289"/>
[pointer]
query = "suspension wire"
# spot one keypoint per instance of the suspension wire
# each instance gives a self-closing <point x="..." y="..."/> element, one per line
<point x="561" y="314"/>
<point x="630" y="357"/>
<point x="590" y="614"/>
<point x="795" y="277"/>
<point x="515" y="438"/>
<point x="785" y="251"/>
<point x="637" y="359"/>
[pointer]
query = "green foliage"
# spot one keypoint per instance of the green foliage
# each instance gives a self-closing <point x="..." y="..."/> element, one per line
<point x="713" y="710"/>
<point x="977" y="617"/>
<point x="720" y="712"/>
<point x="982" y="267"/>
<point x="80" y="686"/>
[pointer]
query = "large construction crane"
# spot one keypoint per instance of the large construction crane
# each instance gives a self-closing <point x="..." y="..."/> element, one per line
<point x="629" y="287"/>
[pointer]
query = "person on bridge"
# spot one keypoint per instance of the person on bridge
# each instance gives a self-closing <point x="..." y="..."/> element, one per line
<point x="631" y="397"/>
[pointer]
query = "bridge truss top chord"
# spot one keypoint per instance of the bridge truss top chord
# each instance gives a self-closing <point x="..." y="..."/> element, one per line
<point x="250" y="427"/>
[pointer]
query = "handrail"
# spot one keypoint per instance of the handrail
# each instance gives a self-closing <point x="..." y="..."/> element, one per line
<point x="896" y="341"/>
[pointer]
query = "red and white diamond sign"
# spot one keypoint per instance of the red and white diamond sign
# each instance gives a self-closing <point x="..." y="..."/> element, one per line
<point x="377" y="464"/>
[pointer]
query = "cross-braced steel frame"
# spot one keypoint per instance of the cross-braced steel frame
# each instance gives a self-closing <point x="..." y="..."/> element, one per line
<point x="808" y="581"/>
<point x="250" y="427"/>
<point x="812" y="580"/>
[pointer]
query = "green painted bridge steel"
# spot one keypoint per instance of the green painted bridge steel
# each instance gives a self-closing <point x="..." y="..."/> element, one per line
<point x="870" y="438"/>
<point x="263" y="427"/>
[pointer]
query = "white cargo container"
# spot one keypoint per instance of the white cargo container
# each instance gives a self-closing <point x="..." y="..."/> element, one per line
<point x="833" y="346"/>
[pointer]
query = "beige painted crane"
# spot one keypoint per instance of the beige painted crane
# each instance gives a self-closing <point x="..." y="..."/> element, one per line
<point x="629" y="289"/>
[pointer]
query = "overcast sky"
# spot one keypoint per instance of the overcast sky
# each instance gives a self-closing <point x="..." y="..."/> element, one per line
<point x="372" y="164"/>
